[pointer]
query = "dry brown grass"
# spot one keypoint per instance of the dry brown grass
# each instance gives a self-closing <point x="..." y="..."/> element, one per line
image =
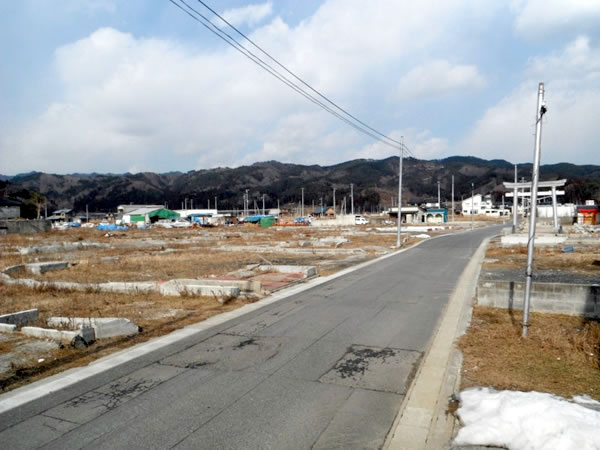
<point x="155" y="314"/>
<point x="561" y="354"/>
<point x="546" y="258"/>
<point x="195" y="257"/>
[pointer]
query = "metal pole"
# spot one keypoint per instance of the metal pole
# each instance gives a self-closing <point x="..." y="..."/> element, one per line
<point x="452" y="198"/>
<point x="352" y="198"/>
<point x="302" y="207"/>
<point x="216" y="208"/>
<point x="263" y="199"/>
<point x="87" y="215"/>
<point x="472" y="206"/>
<point x="541" y="109"/>
<point x="334" y="201"/>
<point x="555" y="210"/>
<point x="398" y="237"/>
<point x="439" y="200"/>
<point x="515" y="203"/>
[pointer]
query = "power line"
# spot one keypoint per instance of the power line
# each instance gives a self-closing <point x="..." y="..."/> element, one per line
<point x="295" y="76"/>
<point x="209" y="25"/>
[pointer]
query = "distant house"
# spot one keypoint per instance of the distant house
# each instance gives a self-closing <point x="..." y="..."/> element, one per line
<point x="9" y="209"/>
<point x="61" y="215"/>
<point x="148" y="215"/>
<point x="410" y="214"/>
<point x="324" y="211"/>
<point x="476" y="205"/>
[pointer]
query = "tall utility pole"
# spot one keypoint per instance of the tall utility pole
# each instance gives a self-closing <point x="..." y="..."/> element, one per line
<point x="334" y="202"/>
<point x="302" y="207"/>
<point x="439" y="200"/>
<point x="472" y="205"/>
<point x="246" y="204"/>
<point x="515" y="203"/>
<point x="452" y="198"/>
<point x="216" y="208"/>
<point x="87" y="214"/>
<point x="263" y="199"/>
<point x="352" y="198"/>
<point x="398" y="234"/>
<point x="541" y="110"/>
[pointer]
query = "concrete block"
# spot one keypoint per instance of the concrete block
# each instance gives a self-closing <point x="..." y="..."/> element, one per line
<point x="20" y="318"/>
<point x="309" y="271"/>
<point x="42" y="267"/>
<point x="47" y="333"/>
<point x="243" y="285"/>
<point x="7" y="328"/>
<point x="102" y="328"/>
<point x="14" y="270"/>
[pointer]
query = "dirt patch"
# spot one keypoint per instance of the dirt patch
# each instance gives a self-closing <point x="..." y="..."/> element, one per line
<point x="560" y="356"/>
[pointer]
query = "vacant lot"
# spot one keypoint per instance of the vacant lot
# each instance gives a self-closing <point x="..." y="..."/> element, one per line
<point x="153" y="255"/>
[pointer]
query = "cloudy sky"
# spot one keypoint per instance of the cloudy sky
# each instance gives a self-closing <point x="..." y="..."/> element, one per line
<point x="137" y="85"/>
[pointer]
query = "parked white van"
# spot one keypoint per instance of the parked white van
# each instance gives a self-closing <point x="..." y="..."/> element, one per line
<point x="360" y="220"/>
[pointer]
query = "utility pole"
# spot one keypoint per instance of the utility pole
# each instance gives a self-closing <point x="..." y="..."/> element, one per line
<point x="398" y="234"/>
<point x="515" y="203"/>
<point x="452" y="198"/>
<point x="216" y="208"/>
<point x="334" y="201"/>
<point x="208" y="204"/>
<point x="439" y="200"/>
<point x="87" y="215"/>
<point x="541" y="110"/>
<point x="352" y="198"/>
<point x="472" y="205"/>
<point x="246" y="204"/>
<point x="302" y="208"/>
<point x="263" y="199"/>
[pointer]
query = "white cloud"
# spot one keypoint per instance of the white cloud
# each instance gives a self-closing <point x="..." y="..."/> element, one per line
<point x="250" y="15"/>
<point x="439" y="77"/>
<point x="572" y="92"/>
<point x="129" y="102"/>
<point x="535" y="19"/>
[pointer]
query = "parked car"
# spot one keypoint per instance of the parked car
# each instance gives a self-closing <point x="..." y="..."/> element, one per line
<point x="360" y="220"/>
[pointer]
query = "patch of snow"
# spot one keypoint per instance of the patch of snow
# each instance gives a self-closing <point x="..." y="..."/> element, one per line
<point x="527" y="420"/>
<point x="422" y="236"/>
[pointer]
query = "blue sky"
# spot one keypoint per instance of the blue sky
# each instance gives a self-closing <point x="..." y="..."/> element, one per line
<point x="117" y="86"/>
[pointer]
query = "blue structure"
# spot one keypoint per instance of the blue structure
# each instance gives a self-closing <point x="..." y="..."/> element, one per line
<point x="436" y="215"/>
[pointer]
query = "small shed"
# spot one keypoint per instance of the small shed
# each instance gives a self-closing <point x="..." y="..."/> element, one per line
<point x="587" y="215"/>
<point x="437" y="215"/>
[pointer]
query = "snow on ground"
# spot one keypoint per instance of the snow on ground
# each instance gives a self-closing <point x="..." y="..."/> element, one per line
<point x="527" y="420"/>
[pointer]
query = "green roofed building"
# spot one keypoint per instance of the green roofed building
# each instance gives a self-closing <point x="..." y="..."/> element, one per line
<point x="149" y="215"/>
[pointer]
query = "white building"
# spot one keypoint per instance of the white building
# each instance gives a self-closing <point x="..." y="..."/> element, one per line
<point x="478" y="204"/>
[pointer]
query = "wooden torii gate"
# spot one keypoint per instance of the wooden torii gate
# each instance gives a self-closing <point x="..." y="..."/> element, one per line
<point x="553" y="185"/>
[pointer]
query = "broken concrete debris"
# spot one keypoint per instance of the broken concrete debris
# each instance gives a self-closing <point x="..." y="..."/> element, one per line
<point x="20" y="318"/>
<point x="103" y="327"/>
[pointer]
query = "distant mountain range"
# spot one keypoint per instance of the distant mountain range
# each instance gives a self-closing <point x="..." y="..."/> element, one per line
<point x="375" y="182"/>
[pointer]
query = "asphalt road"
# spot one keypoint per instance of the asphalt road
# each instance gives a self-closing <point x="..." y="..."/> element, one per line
<point x="326" y="368"/>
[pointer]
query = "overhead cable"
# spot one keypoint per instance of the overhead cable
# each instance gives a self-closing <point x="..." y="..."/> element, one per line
<point x="340" y="113"/>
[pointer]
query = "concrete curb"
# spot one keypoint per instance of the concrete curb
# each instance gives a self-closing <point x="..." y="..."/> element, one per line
<point x="46" y="386"/>
<point x="422" y="422"/>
